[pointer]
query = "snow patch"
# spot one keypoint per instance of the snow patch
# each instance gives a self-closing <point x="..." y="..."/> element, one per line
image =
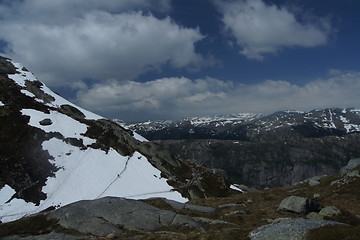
<point x="90" y="174"/>
<point x="61" y="123"/>
<point x="22" y="76"/>
<point x="15" y="209"/>
<point x="1" y="104"/>
<point x="234" y="187"/>
<point x="352" y="128"/>
<point x="344" y="120"/>
<point x="5" y="194"/>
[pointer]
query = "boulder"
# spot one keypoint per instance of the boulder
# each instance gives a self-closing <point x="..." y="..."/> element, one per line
<point x="111" y="215"/>
<point x="353" y="163"/>
<point x="329" y="211"/>
<point x="45" y="122"/>
<point x="289" y="229"/>
<point x="179" y="206"/>
<point x="299" y="205"/>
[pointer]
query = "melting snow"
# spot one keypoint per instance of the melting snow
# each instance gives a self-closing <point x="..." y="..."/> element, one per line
<point x="234" y="187"/>
<point x="344" y="120"/>
<point x="22" y="76"/>
<point x="86" y="174"/>
<point x="352" y="128"/>
<point x="61" y="123"/>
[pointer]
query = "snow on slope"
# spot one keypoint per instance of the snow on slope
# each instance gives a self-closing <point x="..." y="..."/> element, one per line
<point x="24" y="75"/>
<point x="83" y="173"/>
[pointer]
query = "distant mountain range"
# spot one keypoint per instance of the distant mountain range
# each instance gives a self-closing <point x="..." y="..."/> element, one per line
<point x="252" y="127"/>
<point x="263" y="150"/>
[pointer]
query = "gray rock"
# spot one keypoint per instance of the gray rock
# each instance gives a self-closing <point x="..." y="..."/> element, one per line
<point x="112" y="215"/>
<point x="316" y="195"/>
<point x="290" y="229"/>
<point x="228" y="205"/>
<point x="353" y="163"/>
<point x="179" y="206"/>
<point x="238" y="213"/>
<point x="314" y="181"/>
<point x="354" y="173"/>
<point x="329" y="211"/>
<point x="45" y="122"/>
<point x="299" y="205"/>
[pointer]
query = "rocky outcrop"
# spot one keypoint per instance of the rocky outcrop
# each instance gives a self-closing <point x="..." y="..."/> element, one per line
<point x="31" y="115"/>
<point x="271" y="163"/>
<point x="191" y="179"/>
<point x="299" y="205"/>
<point x="100" y="218"/>
<point x="289" y="229"/>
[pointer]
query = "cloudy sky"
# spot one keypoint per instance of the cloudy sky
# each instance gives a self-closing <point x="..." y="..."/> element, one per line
<point x="168" y="59"/>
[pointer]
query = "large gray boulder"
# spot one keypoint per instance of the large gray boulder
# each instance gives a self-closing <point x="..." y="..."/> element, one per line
<point x="299" y="205"/>
<point x="112" y="215"/>
<point x="289" y="229"/>
<point x="353" y="163"/>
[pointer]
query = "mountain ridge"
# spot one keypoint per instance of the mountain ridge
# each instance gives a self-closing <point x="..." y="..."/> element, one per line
<point x="249" y="127"/>
<point x="53" y="153"/>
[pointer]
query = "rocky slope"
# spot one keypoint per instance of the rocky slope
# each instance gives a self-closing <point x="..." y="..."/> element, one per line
<point x="264" y="151"/>
<point x="255" y="127"/>
<point x="323" y="208"/>
<point x="53" y="153"/>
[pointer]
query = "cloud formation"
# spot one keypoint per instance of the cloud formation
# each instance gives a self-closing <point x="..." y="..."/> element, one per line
<point x="261" y="28"/>
<point x="95" y="39"/>
<point x="175" y="98"/>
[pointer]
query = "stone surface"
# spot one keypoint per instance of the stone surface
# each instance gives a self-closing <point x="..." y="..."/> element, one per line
<point x="45" y="122"/>
<point x="299" y="205"/>
<point x="290" y="229"/>
<point x="353" y="163"/>
<point x="314" y="215"/>
<point x="179" y="206"/>
<point x="112" y="215"/>
<point x="329" y="211"/>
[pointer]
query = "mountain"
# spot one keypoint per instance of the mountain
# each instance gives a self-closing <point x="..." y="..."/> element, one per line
<point x="262" y="151"/>
<point x="53" y="153"/>
<point x="255" y="127"/>
<point x="321" y="208"/>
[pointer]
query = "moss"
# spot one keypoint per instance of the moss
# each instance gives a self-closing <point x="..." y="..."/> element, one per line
<point x="32" y="226"/>
<point x="335" y="232"/>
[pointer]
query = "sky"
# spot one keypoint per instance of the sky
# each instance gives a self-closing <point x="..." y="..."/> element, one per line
<point x="140" y="60"/>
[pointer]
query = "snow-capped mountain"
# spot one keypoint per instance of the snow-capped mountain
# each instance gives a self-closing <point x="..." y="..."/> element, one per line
<point x="248" y="127"/>
<point x="53" y="153"/>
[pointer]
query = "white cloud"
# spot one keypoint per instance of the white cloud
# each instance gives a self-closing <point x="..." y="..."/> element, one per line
<point x="168" y="97"/>
<point x="174" y="98"/>
<point x="84" y="43"/>
<point x="261" y="28"/>
<point x="63" y="11"/>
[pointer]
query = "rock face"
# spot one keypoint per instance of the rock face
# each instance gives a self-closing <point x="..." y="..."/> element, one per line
<point x="53" y="153"/>
<point x="108" y="215"/>
<point x="299" y="205"/>
<point x="270" y="163"/>
<point x="279" y="149"/>
<point x="329" y="211"/>
<point x="256" y="127"/>
<point x="101" y="218"/>
<point x="290" y="229"/>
